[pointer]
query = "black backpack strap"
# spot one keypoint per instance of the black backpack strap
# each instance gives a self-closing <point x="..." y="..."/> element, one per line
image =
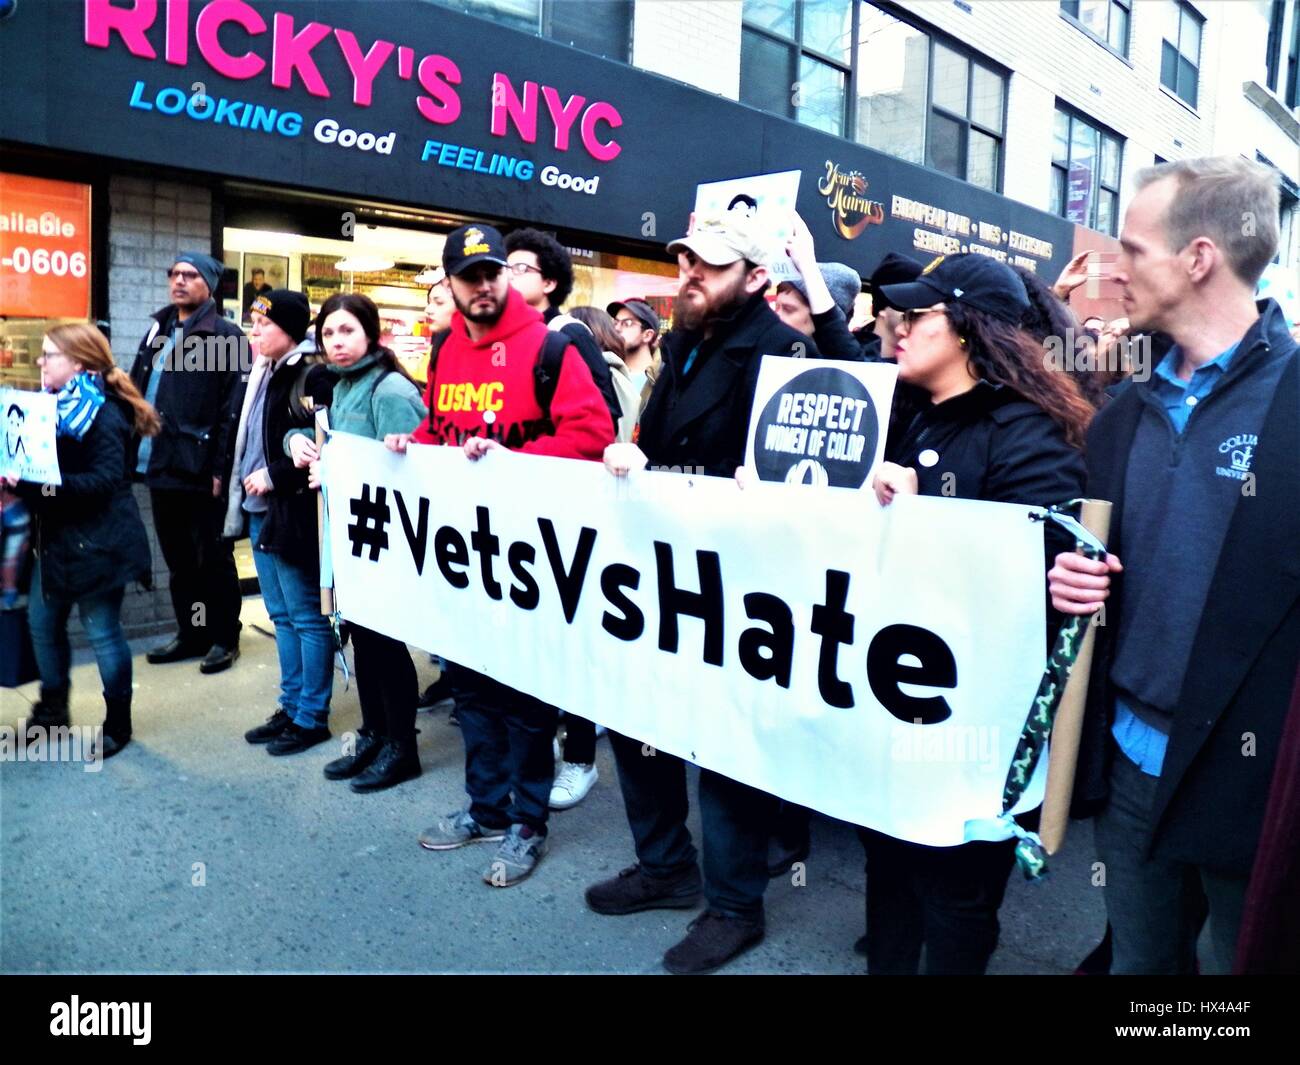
<point x="546" y="374"/>
<point x="435" y="346"/>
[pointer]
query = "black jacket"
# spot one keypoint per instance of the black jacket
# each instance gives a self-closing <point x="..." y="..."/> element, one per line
<point x="1210" y="801"/>
<point x="702" y="423"/>
<point x="289" y="528"/>
<point x="990" y="443"/>
<point x="87" y="532"/>
<point x="198" y="398"/>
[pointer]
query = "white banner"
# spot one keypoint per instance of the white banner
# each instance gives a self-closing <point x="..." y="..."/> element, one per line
<point x="874" y="664"/>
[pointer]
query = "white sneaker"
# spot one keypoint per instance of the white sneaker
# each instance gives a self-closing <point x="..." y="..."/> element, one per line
<point x="572" y="783"/>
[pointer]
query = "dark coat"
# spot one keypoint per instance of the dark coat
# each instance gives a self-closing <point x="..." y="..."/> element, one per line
<point x="199" y="406"/>
<point x="703" y="423"/>
<point x="289" y="528"/>
<point x="1210" y="800"/>
<point x="87" y="531"/>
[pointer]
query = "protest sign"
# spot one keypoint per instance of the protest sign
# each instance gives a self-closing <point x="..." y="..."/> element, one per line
<point x="768" y="200"/>
<point x="876" y="664"/>
<point x="28" y="451"/>
<point x="820" y="421"/>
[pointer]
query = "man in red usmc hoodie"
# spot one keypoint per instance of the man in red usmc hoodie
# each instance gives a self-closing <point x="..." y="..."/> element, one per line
<point x="484" y="393"/>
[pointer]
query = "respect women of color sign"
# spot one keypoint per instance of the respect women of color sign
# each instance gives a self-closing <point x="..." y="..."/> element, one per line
<point x="874" y="664"/>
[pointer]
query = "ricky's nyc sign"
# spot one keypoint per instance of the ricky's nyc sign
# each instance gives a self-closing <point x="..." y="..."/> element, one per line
<point x="846" y="196"/>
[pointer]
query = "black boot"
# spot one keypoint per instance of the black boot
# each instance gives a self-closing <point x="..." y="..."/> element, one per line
<point x="117" y="725"/>
<point x="364" y="752"/>
<point x="51" y="711"/>
<point x="398" y="761"/>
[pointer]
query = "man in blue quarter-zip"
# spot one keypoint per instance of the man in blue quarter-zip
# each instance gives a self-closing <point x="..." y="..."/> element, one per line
<point x="1197" y="657"/>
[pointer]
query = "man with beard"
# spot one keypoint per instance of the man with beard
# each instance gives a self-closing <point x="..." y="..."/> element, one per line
<point x="698" y="420"/>
<point x="484" y="394"/>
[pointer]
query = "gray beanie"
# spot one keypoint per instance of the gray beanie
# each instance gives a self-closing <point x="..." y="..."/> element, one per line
<point x="843" y="281"/>
<point x="208" y="267"/>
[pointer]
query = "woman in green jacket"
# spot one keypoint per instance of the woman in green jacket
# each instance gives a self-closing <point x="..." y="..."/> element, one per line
<point x="373" y="396"/>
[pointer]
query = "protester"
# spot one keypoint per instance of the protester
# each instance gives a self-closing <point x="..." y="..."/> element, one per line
<point x="15" y="540"/>
<point x="640" y="327"/>
<point x="437" y="317"/>
<point x="90" y="541"/>
<point x="1000" y="426"/>
<point x="372" y="397"/>
<point x="270" y="494"/>
<point x="189" y="368"/>
<point x="496" y="339"/>
<point x="610" y="340"/>
<point x="1198" y="654"/>
<point x="820" y="303"/>
<point x="542" y="272"/>
<point x="698" y="419"/>
<point x="894" y="269"/>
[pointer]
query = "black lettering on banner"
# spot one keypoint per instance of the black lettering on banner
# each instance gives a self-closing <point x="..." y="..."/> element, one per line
<point x="525" y="594"/>
<point x="449" y="550"/>
<point x="488" y="547"/>
<point x="938" y="669"/>
<point x="777" y="641"/>
<point x="613" y="580"/>
<point x="706" y="604"/>
<point x="417" y="537"/>
<point x="834" y="625"/>
<point x="568" y="582"/>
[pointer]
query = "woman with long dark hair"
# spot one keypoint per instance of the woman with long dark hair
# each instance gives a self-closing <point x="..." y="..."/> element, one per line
<point x="373" y="397"/>
<point x="88" y="537"/>
<point x="1000" y="425"/>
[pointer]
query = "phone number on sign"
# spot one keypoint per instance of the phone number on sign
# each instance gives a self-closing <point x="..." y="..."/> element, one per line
<point x="42" y="261"/>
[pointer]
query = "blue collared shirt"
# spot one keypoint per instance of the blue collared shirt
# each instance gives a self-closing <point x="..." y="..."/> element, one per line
<point x="1142" y="743"/>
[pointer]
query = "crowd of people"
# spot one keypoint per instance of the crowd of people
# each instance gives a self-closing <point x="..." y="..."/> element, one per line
<point x="1202" y="636"/>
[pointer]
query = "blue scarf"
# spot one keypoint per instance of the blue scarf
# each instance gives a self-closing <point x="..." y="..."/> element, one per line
<point x="78" y="402"/>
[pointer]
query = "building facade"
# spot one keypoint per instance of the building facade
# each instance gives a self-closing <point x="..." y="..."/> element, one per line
<point x="331" y="147"/>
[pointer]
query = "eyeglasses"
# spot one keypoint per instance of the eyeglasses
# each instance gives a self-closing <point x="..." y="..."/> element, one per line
<point x="911" y="317"/>
<point x="182" y="275"/>
<point x="519" y="269"/>
<point x="629" y="321"/>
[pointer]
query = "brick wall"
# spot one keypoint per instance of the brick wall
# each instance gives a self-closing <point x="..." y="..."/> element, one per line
<point x="695" y="41"/>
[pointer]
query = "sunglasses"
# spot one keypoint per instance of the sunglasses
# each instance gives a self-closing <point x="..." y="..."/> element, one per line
<point x="911" y="317"/>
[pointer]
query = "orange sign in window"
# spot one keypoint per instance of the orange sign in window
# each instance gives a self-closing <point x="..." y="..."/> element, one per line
<point x="44" y="248"/>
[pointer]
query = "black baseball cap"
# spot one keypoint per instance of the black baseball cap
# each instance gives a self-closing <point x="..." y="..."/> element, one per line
<point x="474" y="243"/>
<point x="642" y="311"/>
<point x="894" y="269"/>
<point x="975" y="280"/>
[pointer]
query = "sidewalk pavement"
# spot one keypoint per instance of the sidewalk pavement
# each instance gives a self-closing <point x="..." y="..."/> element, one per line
<point x="193" y="851"/>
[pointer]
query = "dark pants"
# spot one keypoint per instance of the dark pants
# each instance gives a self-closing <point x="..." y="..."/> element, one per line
<point x="737" y="822"/>
<point x="204" y="582"/>
<point x="509" y="766"/>
<point x="946" y="898"/>
<point x="579" y="740"/>
<point x="1153" y="904"/>
<point x="387" y="685"/>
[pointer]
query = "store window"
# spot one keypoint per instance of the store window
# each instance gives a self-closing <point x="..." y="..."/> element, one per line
<point x="796" y="60"/>
<point x="1085" y="172"/>
<point x="45" y="268"/>
<point x="603" y="28"/>
<point x="927" y="100"/>
<point x="1107" y="20"/>
<point x="1180" y="51"/>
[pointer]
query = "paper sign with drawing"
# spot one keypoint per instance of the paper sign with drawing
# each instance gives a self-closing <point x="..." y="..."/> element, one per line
<point x="28" y="450"/>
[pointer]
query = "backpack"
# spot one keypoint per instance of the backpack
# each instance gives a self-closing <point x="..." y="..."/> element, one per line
<point x="546" y="373"/>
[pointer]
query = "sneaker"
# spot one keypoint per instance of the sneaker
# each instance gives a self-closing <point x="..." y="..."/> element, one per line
<point x="516" y="858"/>
<point x="295" y="738"/>
<point x="571" y="785"/>
<point x="265" y="733"/>
<point x="712" y="940"/>
<point x="456" y="830"/>
<point x="633" y="891"/>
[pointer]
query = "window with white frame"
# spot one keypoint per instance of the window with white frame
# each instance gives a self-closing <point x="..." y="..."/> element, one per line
<point x="1180" y="50"/>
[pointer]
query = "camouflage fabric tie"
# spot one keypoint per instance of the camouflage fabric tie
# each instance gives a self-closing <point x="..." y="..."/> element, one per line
<point x="1030" y="854"/>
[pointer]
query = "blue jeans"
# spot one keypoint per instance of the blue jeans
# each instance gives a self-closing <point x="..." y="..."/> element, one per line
<point x="101" y="616"/>
<point x="303" y="637"/>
